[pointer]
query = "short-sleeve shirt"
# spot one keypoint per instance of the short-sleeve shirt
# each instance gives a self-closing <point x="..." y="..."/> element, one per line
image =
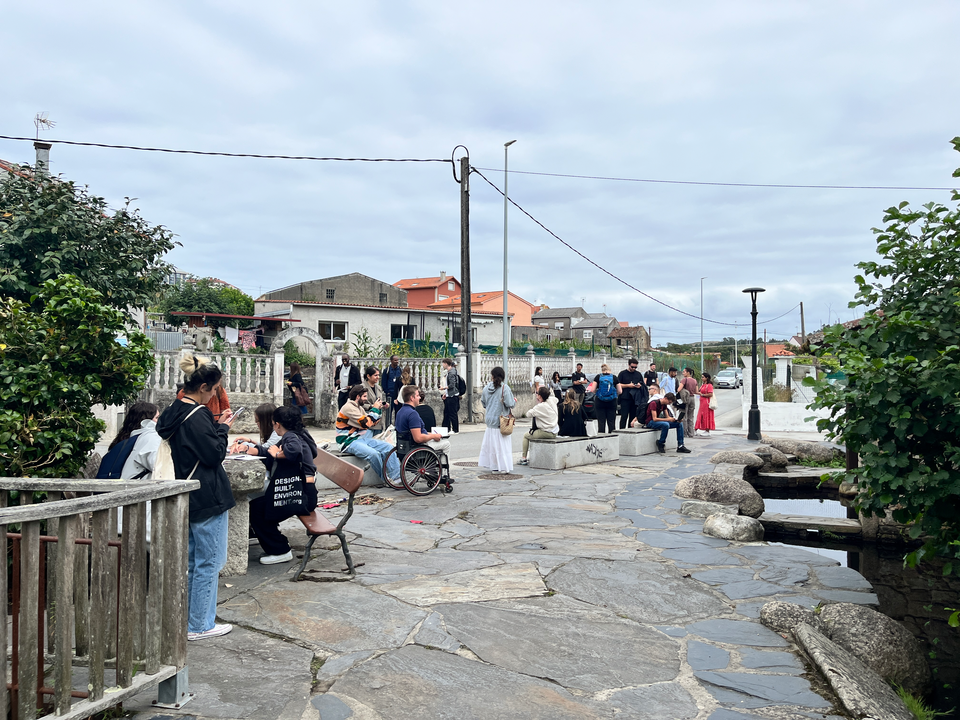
<point x="630" y="377"/>
<point x="407" y="419"/>
<point x="579" y="376"/>
<point x="651" y="377"/>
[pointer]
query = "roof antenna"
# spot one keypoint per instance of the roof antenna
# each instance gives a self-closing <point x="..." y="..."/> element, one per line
<point x="42" y="122"/>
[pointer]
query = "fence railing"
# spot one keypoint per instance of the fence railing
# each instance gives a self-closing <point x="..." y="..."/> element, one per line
<point x="107" y="603"/>
<point x="241" y="372"/>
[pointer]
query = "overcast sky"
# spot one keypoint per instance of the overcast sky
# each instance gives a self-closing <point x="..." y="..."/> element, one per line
<point x="851" y="93"/>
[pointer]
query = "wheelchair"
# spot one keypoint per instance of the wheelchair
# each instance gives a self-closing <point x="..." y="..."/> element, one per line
<point x="422" y="469"/>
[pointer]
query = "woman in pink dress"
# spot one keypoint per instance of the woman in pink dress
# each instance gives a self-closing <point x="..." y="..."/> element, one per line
<point x="705" y="413"/>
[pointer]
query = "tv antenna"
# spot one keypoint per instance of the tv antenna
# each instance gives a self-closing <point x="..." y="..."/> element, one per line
<point x="42" y="122"/>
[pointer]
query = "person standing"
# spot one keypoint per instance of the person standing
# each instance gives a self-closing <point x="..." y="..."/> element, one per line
<point x="545" y="421"/>
<point x="632" y="394"/>
<point x="688" y="394"/>
<point x="450" y="386"/>
<point x="705" y="420"/>
<point x="376" y="399"/>
<point x="218" y="403"/>
<point x="537" y="381"/>
<point x="555" y="387"/>
<point x="390" y="383"/>
<point x="668" y="383"/>
<point x="345" y="377"/>
<point x="296" y="381"/>
<point x="198" y="445"/>
<point x="496" y="452"/>
<point x="605" y="400"/>
<point x="651" y="377"/>
<point x="579" y="381"/>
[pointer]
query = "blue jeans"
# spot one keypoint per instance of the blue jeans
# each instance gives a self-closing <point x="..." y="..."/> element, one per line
<point x="374" y="451"/>
<point x="207" y="554"/>
<point x="664" y="427"/>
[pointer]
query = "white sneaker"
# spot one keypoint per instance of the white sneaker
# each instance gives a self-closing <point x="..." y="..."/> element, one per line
<point x="275" y="559"/>
<point x="215" y="631"/>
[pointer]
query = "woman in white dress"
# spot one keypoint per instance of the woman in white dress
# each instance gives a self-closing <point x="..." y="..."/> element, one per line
<point x="497" y="449"/>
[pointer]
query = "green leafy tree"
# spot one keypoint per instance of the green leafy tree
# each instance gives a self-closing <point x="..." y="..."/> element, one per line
<point x="204" y="296"/>
<point x="238" y="302"/>
<point x="53" y="227"/>
<point x="900" y="409"/>
<point x="59" y="356"/>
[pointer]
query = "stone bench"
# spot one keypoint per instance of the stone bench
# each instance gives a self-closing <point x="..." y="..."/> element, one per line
<point x="565" y="452"/>
<point x="246" y="477"/>
<point x="370" y="476"/>
<point x="643" y="441"/>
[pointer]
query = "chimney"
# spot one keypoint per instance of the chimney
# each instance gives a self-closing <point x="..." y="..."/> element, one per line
<point x="443" y="276"/>
<point x="43" y="157"/>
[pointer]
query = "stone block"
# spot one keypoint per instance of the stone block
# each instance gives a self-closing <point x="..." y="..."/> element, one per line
<point x="559" y="453"/>
<point x="370" y="476"/>
<point x="733" y="527"/>
<point x="643" y="441"/>
<point x="246" y="476"/>
<point x="702" y="508"/>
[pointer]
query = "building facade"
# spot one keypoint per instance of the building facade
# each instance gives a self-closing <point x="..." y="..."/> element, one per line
<point x="353" y="288"/>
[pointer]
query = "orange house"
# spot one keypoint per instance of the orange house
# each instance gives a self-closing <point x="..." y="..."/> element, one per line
<point x="424" y="292"/>
<point x="519" y="309"/>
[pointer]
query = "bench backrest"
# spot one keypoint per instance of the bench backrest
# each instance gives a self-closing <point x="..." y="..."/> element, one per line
<point x="340" y="472"/>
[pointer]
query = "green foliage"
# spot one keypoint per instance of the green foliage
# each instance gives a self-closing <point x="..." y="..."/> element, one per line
<point x="204" y="296"/>
<point x="777" y="393"/>
<point x="920" y="710"/>
<point x="555" y="344"/>
<point x="52" y="227"/>
<point x="366" y="345"/>
<point x="291" y="353"/>
<point x="58" y="357"/>
<point x="832" y="463"/>
<point x="900" y="407"/>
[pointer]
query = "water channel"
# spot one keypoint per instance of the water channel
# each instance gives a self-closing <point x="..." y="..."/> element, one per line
<point x="917" y="597"/>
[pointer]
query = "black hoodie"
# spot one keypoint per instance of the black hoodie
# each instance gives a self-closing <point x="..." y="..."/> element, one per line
<point x="199" y="441"/>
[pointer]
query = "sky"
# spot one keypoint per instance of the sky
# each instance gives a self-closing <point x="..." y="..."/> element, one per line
<point x="797" y="93"/>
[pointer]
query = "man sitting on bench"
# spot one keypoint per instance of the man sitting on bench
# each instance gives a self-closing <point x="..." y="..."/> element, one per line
<point x="409" y="425"/>
<point x="659" y="418"/>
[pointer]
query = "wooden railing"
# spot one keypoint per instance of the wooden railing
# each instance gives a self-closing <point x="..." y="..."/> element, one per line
<point x="82" y="596"/>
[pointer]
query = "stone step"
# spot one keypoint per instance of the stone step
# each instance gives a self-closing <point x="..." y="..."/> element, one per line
<point x="796" y="476"/>
<point x="804" y="525"/>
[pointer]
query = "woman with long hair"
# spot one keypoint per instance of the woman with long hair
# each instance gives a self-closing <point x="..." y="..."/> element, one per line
<point x="296" y="381"/>
<point x="263" y="416"/>
<point x="496" y="452"/>
<point x="705" y="421"/>
<point x="573" y="419"/>
<point x="140" y="422"/>
<point x="198" y="444"/>
<point x="537" y="381"/>
<point x="606" y="405"/>
<point x="555" y="387"/>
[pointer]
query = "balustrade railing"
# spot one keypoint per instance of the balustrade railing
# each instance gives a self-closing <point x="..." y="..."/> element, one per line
<point x="241" y="372"/>
<point x="101" y="601"/>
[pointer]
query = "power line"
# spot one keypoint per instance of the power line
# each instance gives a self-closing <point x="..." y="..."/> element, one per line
<point x="720" y="184"/>
<point x="604" y="270"/>
<point x="229" y="154"/>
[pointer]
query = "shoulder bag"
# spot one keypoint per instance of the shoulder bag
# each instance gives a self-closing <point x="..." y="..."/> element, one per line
<point x="506" y="421"/>
<point x="163" y="468"/>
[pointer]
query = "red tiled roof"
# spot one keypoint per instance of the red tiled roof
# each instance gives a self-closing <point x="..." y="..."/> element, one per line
<point x="372" y="307"/>
<point x="430" y="282"/>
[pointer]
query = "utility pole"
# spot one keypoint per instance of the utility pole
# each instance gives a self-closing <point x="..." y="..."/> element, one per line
<point x="803" y="330"/>
<point x="736" y="350"/>
<point x="466" y="320"/>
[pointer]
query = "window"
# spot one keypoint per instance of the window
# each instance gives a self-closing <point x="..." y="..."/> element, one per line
<point x="588" y="334"/>
<point x="383" y="298"/>
<point x="332" y="330"/>
<point x="403" y="332"/>
<point x="451" y="286"/>
<point x="444" y="297"/>
<point x="523" y="336"/>
<point x="558" y="326"/>
<point x="330" y="293"/>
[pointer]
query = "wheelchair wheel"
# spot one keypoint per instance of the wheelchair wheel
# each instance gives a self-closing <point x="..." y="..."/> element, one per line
<point x="420" y="471"/>
<point x="395" y="484"/>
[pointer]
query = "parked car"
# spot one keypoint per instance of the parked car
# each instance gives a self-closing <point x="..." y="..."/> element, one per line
<point x="728" y="379"/>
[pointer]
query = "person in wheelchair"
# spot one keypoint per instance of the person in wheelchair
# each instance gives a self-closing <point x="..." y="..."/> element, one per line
<point x="411" y="430"/>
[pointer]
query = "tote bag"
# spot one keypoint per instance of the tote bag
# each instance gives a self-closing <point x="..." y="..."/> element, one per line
<point x="506" y="421"/>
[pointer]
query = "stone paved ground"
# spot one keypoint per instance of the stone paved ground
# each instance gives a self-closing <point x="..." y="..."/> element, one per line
<point x="573" y="594"/>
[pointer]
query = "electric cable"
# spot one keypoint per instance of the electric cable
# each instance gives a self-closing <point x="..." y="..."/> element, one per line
<point x="615" y="277"/>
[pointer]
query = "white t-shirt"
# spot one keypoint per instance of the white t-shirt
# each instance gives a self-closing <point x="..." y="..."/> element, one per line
<point x="537" y="381"/>
<point x="345" y="377"/>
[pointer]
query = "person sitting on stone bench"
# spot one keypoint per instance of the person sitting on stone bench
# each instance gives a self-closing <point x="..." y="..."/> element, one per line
<point x="354" y="436"/>
<point x="659" y="418"/>
<point x="545" y="424"/>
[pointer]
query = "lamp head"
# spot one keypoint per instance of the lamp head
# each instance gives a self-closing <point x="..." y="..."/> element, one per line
<point x="508" y="144"/>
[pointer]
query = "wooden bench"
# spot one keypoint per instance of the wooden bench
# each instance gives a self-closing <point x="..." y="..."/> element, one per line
<point x="348" y="477"/>
<point x="564" y="452"/>
<point x="370" y="476"/>
<point x="643" y="441"/>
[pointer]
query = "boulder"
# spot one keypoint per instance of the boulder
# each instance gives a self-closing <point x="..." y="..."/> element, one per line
<point x="784" y="445"/>
<point x="777" y="458"/>
<point x="724" y="489"/>
<point x="784" y="617"/>
<point x="702" y="508"/>
<point x="862" y="691"/>
<point x="737" y="457"/>
<point x="733" y="527"/>
<point x="815" y="451"/>
<point x="880" y="642"/>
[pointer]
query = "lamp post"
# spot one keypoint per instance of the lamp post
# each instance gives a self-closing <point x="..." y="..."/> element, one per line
<point x="753" y="418"/>
<point x="506" y="319"/>
<point x="702" y="368"/>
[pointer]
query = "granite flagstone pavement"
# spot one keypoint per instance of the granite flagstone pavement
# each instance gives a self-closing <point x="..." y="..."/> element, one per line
<point x="564" y="594"/>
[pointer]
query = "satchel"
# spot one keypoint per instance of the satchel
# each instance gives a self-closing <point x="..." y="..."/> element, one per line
<point x="506" y="421"/>
<point x="713" y="403"/>
<point x="301" y="396"/>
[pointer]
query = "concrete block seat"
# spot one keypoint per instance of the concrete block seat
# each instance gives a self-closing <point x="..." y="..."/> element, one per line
<point x="565" y="452"/>
<point x="643" y="441"/>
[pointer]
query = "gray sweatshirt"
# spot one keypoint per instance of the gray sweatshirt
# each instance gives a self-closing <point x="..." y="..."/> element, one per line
<point x="497" y="401"/>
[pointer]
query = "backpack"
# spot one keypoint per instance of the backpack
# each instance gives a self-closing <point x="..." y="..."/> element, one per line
<point x="164" y="468"/>
<point x="112" y="464"/>
<point x="606" y="390"/>
<point x="461" y="386"/>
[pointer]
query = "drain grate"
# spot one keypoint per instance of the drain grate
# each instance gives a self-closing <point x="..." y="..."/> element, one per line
<point x="500" y="476"/>
<point x="466" y="463"/>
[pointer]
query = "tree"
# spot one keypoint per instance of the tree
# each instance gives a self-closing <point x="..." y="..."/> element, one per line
<point x="59" y="356"/>
<point x="900" y="409"/>
<point x="50" y="227"/>
<point x="204" y="296"/>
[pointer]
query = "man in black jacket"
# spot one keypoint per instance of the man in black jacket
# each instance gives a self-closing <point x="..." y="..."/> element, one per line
<point x="631" y="385"/>
<point x="344" y="378"/>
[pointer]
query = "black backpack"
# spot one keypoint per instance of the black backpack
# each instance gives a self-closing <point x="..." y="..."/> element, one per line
<point x="112" y="464"/>
<point x="461" y="386"/>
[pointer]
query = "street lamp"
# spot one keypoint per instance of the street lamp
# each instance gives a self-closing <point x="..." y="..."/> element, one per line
<point x="753" y="418"/>
<point x="506" y="319"/>
<point x="701" y="324"/>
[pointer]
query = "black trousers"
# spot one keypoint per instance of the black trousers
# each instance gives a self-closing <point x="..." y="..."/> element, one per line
<point x="451" y="414"/>
<point x="342" y="399"/>
<point x="268" y="532"/>
<point x="628" y="411"/>
<point x="606" y="415"/>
